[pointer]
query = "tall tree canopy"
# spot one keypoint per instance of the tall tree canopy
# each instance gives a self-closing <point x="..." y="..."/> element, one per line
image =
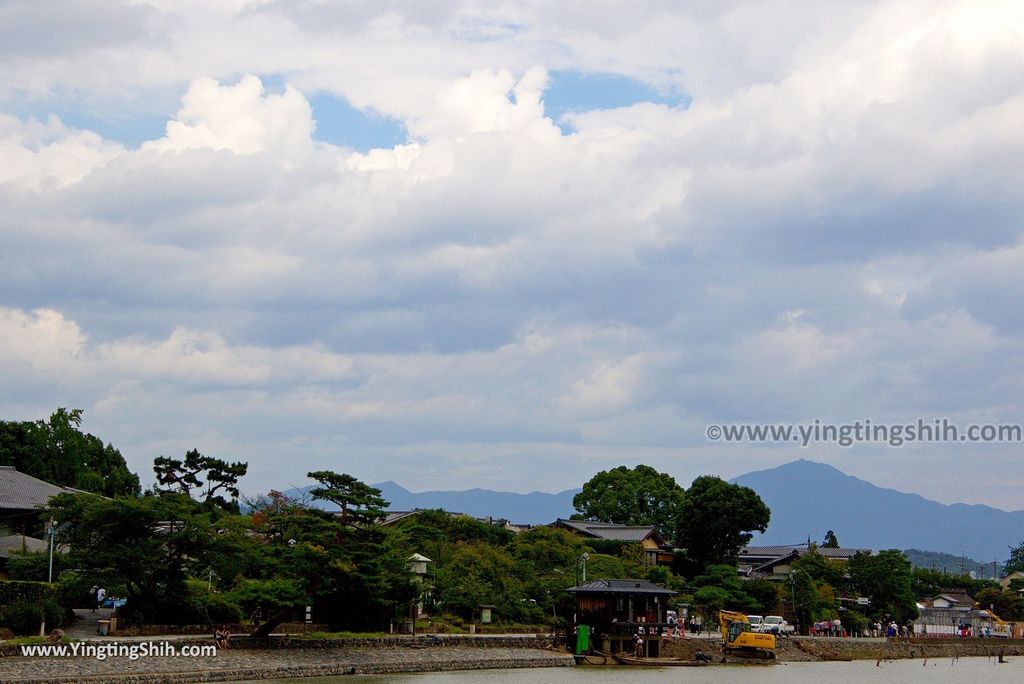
<point x="183" y="476"/>
<point x="1016" y="561"/>
<point x="716" y="520"/>
<point x="358" y="501"/>
<point x="148" y="545"/>
<point x="887" y="578"/>
<point x="632" y="496"/>
<point x="57" y="451"/>
<point x="831" y="541"/>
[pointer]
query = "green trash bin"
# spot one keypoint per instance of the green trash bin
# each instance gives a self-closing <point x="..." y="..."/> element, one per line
<point x="582" y="640"/>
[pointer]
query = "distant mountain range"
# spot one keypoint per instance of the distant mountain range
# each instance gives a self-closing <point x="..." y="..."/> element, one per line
<point x="535" y="508"/>
<point x="948" y="562"/>
<point x="806" y="499"/>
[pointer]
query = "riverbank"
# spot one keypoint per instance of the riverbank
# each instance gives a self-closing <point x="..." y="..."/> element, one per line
<point x="818" y="649"/>
<point x="286" y="659"/>
<point x="898" y="649"/>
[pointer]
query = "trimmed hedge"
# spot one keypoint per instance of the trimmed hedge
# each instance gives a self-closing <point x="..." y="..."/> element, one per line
<point x="15" y="592"/>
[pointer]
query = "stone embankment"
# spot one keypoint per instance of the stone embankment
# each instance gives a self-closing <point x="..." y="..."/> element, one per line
<point x="896" y="649"/>
<point x="284" y="657"/>
<point x="814" y="649"/>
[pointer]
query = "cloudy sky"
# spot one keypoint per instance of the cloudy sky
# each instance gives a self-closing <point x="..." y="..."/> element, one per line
<point x="506" y="245"/>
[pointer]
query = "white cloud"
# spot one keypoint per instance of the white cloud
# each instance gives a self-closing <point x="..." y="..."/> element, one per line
<point x="40" y="155"/>
<point x="42" y="341"/>
<point x="241" y="118"/>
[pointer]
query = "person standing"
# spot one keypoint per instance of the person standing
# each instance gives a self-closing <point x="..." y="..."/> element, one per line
<point x="101" y="594"/>
<point x="92" y="596"/>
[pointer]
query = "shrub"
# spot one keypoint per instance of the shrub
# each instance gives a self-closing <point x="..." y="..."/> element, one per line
<point x="23" y="617"/>
<point x="73" y="590"/>
<point x="202" y="606"/>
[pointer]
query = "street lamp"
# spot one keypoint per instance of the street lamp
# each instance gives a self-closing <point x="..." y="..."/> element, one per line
<point x="52" y="525"/>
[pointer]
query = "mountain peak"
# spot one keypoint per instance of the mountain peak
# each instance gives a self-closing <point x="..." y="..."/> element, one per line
<point x="389" y="485"/>
<point x="807" y="499"/>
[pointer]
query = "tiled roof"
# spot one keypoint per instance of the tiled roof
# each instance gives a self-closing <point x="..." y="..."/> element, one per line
<point x="18" y="542"/>
<point x="19" y="491"/>
<point x="841" y="553"/>
<point x="772" y="551"/>
<point x="610" y="531"/>
<point x="621" y="586"/>
<point x="780" y="551"/>
<point x="958" y="596"/>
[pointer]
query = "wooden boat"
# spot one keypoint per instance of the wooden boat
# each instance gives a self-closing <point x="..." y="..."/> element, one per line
<point x="622" y="659"/>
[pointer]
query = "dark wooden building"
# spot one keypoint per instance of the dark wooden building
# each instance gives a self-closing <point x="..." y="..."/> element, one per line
<point x="618" y="610"/>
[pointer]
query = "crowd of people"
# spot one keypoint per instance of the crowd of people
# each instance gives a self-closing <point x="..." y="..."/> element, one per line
<point x="834" y="628"/>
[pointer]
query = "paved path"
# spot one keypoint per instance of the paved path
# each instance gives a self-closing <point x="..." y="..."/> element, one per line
<point x="88" y="623"/>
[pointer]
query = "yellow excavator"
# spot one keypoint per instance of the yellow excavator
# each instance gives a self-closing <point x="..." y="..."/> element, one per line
<point x="739" y="640"/>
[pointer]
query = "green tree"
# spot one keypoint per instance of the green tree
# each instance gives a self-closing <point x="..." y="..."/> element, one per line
<point x="482" y="575"/>
<point x="716" y="520"/>
<point x="545" y="558"/>
<point x="719" y="587"/>
<point x="1008" y="605"/>
<point x="632" y="496"/>
<point x="764" y="595"/>
<point x="887" y="578"/>
<point x="926" y="583"/>
<point x="435" y="533"/>
<point x="820" y="569"/>
<point x="359" y="502"/>
<point x="183" y="476"/>
<point x="57" y="451"/>
<point x="1016" y="561"/>
<point x="605" y="566"/>
<point x="831" y="542"/>
<point x="150" y="545"/>
<point x="711" y="599"/>
<point x="355" y="576"/>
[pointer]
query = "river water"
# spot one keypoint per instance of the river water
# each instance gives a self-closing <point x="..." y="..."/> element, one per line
<point x="938" y="671"/>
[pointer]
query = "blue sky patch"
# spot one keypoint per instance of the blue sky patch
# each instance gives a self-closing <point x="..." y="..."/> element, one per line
<point x="339" y="123"/>
<point x="131" y="130"/>
<point x="577" y="91"/>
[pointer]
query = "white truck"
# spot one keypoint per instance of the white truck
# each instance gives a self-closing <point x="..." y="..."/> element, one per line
<point x="775" y="624"/>
<point x="755" y="622"/>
